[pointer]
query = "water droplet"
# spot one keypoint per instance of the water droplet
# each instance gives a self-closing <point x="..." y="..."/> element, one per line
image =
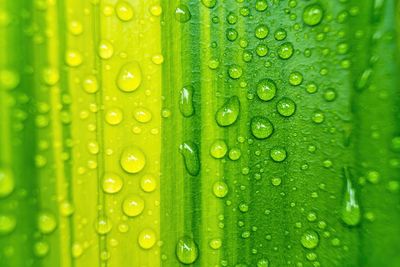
<point x="90" y="84"/>
<point x="218" y="149"/>
<point x="262" y="50"/>
<point x="231" y="34"/>
<point x="330" y="94"/>
<point x="186" y="101"/>
<point x="114" y="116"/>
<point x="7" y="224"/>
<point x="276" y="181"/>
<point x="310" y="239"/>
<point x="75" y="27"/>
<point x="395" y="145"/>
<point x="129" y="77"/>
<point x="105" y="50"/>
<point x="261" y="127"/>
<point x="46" y="223"/>
<point x="112" y="183"/>
<point x="231" y="18"/>
<point x="235" y="71"/>
<point x="132" y="159"/>
<point x="266" y="89"/>
<point x="373" y="177"/>
<point x="133" y="205"/>
<point x="278" y="154"/>
<point x="286" y="107"/>
<point x="234" y="153"/>
<point x="124" y="11"/>
<point x="311" y="88"/>
<point x="103" y="225"/>
<point x="9" y="79"/>
<point x="191" y="158"/>
<point x="51" y="76"/>
<point x="156" y="10"/>
<point x="41" y="249"/>
<point x="318" y="117"/>
<point x="295" y="78"/>
<point x="148" y="183"/>
<point x="209" y="3"/>
<point x="263" y="263"/>
<point x="142" y="115"/>
<point x="187" y="250"/>
<point x="157" y="59"/>
<point x="73" y="58"/>
<point x="147" y="238"/>
<point x="66" y="209"/>
<point x="220" y="189"/>
<point x="350" y="212"/>
<point x="182" y="14"/>
<point x="285" y="50"/>
<point x="76" y="250"/>
<point x="261" y="5"/>
<point x="215" y="243"/>
<point x="7" y="184"/>
<point x="261" y="31"/>
<point x="229" y="112"/>
<point x="280" y="34"/>
<point x="313" y="14"/>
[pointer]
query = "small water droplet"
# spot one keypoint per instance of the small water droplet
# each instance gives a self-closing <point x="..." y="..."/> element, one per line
<point x="132" y="159"/>
<point x="112" y="183"/>
<point x="105" y="50"/>
<point x="220" y="189"/>
<point x="124" y="11"/>
<point x="295" y="78"/>
<point x="209" y="3"/>
<point x="261" y="31"/>
<point x="7" y="224"/>
<point x="103" y="225"/>
<point x="46" y="222"/>
<point x="266" y="89"/>
<point x="191" y="158"/>
<point x="90" y="84"/>
<point x="51" y="76"/>
<point x="147" y="238"/>
<point x="286" y="107"/>
<point x="278" y="154"/>
<point x="186" y="101"/>
<point x="229" y="112"/>
<point x="235" y="71"/>
<point x="114" y="116"/>
<point x="310" y="239"/>
<point x="263" y="263"/>
<point x="41" y="249"/>
<point x="350" y="212"/>
<point x="218" y="149"/>
<point x="73" y="58"/>
<point x="187" y="250"/>
<point x="318" y="117"/>
<point x="261" y="127"/>
<point x="142" y="115"/>
<point x="330" y="95"/>
<point x="261" y="5"/>
<point x="129" y="77"/>
<point x="148" y="183"/>
<point x="285" y="50"/>
<point x="280" y="34"/>
<point x="215" y="243"/>
<point x="182" y="13"/>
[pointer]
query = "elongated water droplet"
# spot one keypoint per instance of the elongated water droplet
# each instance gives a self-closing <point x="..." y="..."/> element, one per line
<point x="351" y="213"/>
<point x="191" y="158"/>
<point x="186" y="101"/>
<point x="364" y="79"/>
<point x="124" y="11"/>
<point x="229" y="112"/>
<point x="132" y="159"/>
<point x="186" y="250"/>
<point x="105" y="50"/>
<point x="182" y="14"/>
<point x="129" y="77"/>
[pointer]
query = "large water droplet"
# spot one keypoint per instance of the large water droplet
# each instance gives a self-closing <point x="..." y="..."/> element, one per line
<point x="313" y="14"/>
<point x="186" y="250"/>
<point x="132" y="159"/>
<point x="191" y="158"/>
<point x="261" y="127"/>
<point x="229" y="112"/>
<point x="129" y="77"/>
<point x="186" y="101"/>
<point x="350" y="212"/>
